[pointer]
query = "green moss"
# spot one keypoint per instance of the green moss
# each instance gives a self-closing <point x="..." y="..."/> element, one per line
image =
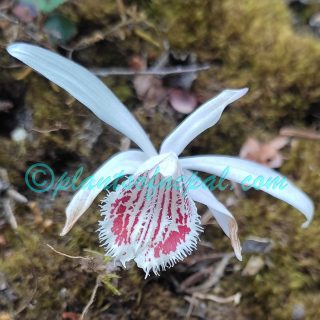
<point x="255" y="45"/>
<point x="31" y="272"/>
<point x="50" y="114"/>
<point x="96" y="10"/>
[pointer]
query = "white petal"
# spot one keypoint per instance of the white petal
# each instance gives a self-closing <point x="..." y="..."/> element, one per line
<point x="223" y="216"/>
<point x="238" y="170"/>
<point x="203" y="118"/>
<point x="86" y="88"/>
<point x="120" y="164"/>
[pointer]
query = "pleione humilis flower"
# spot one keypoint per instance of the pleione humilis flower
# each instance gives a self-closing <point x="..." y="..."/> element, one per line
<point x="156" y="231"/>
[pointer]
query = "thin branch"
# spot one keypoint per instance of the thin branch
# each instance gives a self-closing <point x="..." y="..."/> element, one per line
<point x="90" y="302"/>
<point x="192" y="301"/>
<point x="195" y="277"/>
<point x="16" y="196"/>
<point x="66" y="255"/>
<point x="4" y="16"/>
<point x="105" y="72"/>
<point x="99" y="35"/>
<point x="215" y="277"/>
<point x="234" y="298"/>
<point x="122" y="10"/>
<point x="48" y="130"/>
<point x="9" y="215"/>
<point x="190" y="261"/>
<point x="300" y="133"/>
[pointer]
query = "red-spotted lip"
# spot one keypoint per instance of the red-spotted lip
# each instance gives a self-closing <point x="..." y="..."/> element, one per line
<point x="155" y="231"/>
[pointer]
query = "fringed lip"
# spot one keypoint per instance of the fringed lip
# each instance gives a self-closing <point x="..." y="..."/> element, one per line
<point x="156" y="231"/>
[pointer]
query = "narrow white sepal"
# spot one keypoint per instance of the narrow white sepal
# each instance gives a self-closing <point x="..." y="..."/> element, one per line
<point x="239" y="169"/>
<point x="86" y="88"/>
<point x="120" y="164"/>
<point x="224" y="217"/>
<point x="203" y="118"/>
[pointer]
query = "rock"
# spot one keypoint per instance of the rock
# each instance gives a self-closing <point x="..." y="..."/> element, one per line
<point x="256" y="245"/>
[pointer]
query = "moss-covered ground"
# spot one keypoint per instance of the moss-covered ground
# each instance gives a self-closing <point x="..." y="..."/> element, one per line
<point x="247" y="43"/>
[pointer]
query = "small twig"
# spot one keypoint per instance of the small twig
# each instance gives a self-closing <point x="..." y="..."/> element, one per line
<point x="97" y="36"/>
<point x="195" y="277"/>
<point x="207" y="218"/>
<point x="105" y="72"/>
<point x="122" y="10"/>
<point x="103" y="309"/>
<point x="47" y="130"/>
<point x="215" y="277"/>
<point x="192" y="301"/>
<point x="93" y="295"/>
<point x="16" y="196"/>
<point x="8" y="196"/>
<point x="234" y="298"/>
<point x="8" y="18"/>
<point x="206" y="244"/>
<point x="146" y="37"/>
<point x="9" y="215"/>
<point x="190" y="261"/>
<point x="66" y="255"/>
<point x="300" y="133"/>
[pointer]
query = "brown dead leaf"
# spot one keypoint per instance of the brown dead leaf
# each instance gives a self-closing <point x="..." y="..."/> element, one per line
<point x="168" y="80"/>
<point x="3" y="241"/>
<point x="149" y="89"/>
<point x="4" y="24"/>
<point x="47" y="223"/>
<point x="37" y="214"/>
<point x="300" y="133"/>
<point x="24" y="12"/>
<point x="137" y="63"/>
<point x="70" y="316"/>
<point x="5" y="105"/>
<point x="5" y="316"/>
<point x="182" y="101"/>
<point x="267" y="153"/>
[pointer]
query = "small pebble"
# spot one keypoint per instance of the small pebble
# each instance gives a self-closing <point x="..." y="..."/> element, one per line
<point x="314" y="23"/>
<point x="256" y="245"/>
<point x="298" y="312"/>
<point x="19" y="134"/>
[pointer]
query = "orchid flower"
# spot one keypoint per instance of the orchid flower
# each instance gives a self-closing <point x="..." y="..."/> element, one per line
<point x="155" y="232"/>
